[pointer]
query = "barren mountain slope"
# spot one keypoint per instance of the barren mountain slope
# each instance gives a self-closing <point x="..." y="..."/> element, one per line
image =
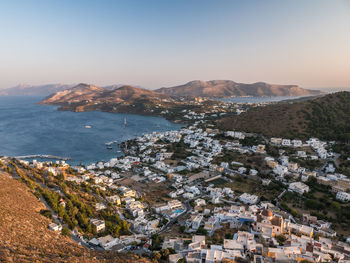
<point x="228" y="88"/>
<point x="77" y="93"/>
<point x="24" y="236"/>
<point x="85" y="92"/>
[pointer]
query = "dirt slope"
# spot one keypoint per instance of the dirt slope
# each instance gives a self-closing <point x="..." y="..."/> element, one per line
<point x="24" y="236"/>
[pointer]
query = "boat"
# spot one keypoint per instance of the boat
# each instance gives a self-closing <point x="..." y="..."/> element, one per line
<point x="110" y="143"/>
<point x="125" y="122"/>
<point x="109" y="147"/>
<point x="88" y="127"/>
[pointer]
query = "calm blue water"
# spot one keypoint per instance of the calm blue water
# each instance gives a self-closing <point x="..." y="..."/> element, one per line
<point x="257" y="99"/>
<point x="27" y="128"/>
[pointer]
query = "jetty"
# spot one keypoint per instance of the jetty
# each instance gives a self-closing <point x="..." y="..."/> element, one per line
<point x="42" y="156"/>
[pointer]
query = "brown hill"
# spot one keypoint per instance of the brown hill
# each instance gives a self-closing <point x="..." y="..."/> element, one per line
<point x="85" y="92"/>
<point x="24" y="236"/>
<point x="228" y="88"/>
<point x="326" y="117"/>
<point x="77" y="93"/>
<point x="126" y="93"/>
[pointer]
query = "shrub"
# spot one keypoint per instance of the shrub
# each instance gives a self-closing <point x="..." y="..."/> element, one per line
<point x="46" y="213"/>
<point x="65" y="232"/>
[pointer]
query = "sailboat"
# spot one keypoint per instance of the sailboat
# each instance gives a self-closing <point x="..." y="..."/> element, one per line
<point x="125" y="122"/>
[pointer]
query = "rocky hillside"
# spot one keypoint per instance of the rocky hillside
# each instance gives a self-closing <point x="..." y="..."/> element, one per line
<point x="29" y="90"/>
<point x="85" y="92"/>
<point x="125" y="99"/>
<point x="24" y="236"/>
<point x="228" y="88"/>
<point x="326" y="117"/>
<point x="77" y="93"/>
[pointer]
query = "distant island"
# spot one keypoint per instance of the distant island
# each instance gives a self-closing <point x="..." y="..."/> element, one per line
<point x="196" y="88"/>
<point x="166" y="102"/>
<point x="124" y="99"/>
<point x="229" y="88"/>
<point x="34" y="90"/>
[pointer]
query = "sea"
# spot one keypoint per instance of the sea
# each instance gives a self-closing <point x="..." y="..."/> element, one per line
<point x="257" y="99"/>
<point x="28" y="128"/>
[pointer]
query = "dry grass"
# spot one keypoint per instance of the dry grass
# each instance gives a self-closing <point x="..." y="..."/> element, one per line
<point x="24" y="236"/>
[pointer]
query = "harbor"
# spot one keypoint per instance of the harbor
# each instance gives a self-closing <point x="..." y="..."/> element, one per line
<point x="43" y="156"/>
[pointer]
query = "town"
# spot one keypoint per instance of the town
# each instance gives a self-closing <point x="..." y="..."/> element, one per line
<point x="200" y="194"/>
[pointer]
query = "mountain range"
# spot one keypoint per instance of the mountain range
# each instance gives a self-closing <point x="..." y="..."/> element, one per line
<point x="209" y="89"/>
<point x="30" y="90"/>
<point x="229" y="88"/>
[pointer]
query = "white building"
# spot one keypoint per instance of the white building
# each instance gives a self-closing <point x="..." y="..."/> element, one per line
<point x="55" y="227"/>
<point x="99" y="224"/>
<point x="299" y="188"/>
<point x="248" y="198"/>
<point x="343" y="196"/>
<point x="197" y="222"/>
<point x="286" y="142"/>
<point x="114" y="199"/>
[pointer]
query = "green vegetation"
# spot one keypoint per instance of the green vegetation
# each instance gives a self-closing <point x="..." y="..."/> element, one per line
<point x="179" y="150"/>
<point x="250" y="141"/>
<point x="327" y="118"/>
<point x="76" y="209"/>
<point x="202" y="231"/>
<point x="320" y="202"/>
<point x="157" y="240"/>
<point x="330" y="117"/>
<point x="65" y="232"/>
<point x="281" y="239"/>
<point x="46" y="213"/>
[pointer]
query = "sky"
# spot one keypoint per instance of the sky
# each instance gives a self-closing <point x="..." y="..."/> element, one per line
<point x="161" y="43"/>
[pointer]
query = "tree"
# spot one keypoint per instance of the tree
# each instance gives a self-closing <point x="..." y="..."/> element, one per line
<point x="156" y="255"/>
<point x="46" y="213"/>
<point x="280" y="239"/>
<point x="124" y="226"/>
<point x="165" y="221"/>
<point x="216" y="239"/>
<point x="65" y="232"/>
<point x="171" y="250"/>
<point x="182" y="229"/>
<point x="228" y="236"/>
<point x="156" y="241"/>
<point x="313" y="204"/>
<point x="192" y="203"/>
<point x="165" y="253"/>
<point x="202" y="231"/>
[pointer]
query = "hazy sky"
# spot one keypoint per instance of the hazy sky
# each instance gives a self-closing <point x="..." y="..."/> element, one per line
<point x="169" y="42"/>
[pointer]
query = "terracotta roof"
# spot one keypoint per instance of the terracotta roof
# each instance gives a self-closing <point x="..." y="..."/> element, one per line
<point x="276" y="221"/>
<point x="267" y="212"/>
